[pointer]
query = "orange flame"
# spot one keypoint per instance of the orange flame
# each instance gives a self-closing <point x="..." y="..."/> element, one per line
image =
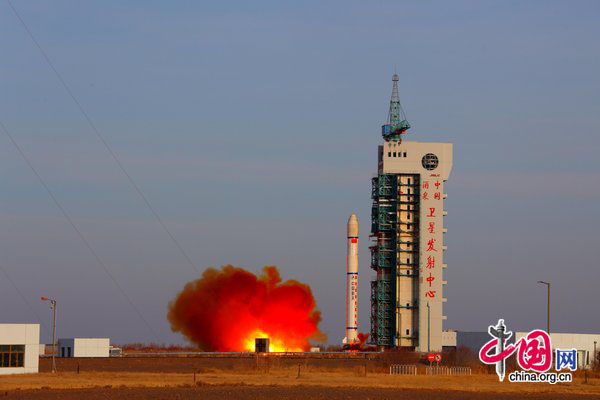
<point x="226" y="309"/>
<point x="275" y="344"/>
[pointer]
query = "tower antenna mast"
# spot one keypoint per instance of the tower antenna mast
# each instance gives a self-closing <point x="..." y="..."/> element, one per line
<point x="397" y="124"/>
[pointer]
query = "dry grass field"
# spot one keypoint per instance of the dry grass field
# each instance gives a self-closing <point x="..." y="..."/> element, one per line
<point x="193" y="378"/>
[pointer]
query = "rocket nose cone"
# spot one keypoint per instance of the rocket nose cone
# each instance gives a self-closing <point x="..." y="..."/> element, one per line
<point x="353" y="226"/>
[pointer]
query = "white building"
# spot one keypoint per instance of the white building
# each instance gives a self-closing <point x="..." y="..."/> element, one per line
<point x="84" y="347"/>
<point x="19" y="348"/>
<point x="407" y="294"/>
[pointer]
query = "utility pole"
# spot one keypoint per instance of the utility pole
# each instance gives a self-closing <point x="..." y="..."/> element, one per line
<point x="595" y="356"/>
<point x="428" y="328"/>
<point x="548" y="285"/>
<point x="53" y="306"/>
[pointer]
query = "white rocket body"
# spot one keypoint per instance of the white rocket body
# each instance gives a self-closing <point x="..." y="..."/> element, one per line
<point x="352" y="282"/>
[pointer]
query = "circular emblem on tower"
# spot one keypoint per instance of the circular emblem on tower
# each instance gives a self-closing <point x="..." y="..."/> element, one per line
<point x="430" y="161"/>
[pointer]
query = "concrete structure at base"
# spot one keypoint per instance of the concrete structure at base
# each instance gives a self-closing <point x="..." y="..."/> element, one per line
<point x="84" y="347"/>
<point x="19" y="348"/>
<point x="586" y="344"/>
<point x="407" y="228"/>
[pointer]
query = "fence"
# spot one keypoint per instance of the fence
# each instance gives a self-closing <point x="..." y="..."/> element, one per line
<point x="398" y="369"/>
<point x="450" y="371"/>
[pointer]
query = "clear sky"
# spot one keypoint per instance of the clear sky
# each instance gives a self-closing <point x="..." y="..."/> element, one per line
<point x="253" y="127"/>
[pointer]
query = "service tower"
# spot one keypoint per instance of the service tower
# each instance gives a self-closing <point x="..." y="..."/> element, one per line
<point x="407" y="230"/>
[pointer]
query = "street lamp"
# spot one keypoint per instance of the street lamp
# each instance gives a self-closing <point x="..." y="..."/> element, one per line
<point x="548" y="285"/>
<point x="53" y="307"/>
<point x="428" y="328"/>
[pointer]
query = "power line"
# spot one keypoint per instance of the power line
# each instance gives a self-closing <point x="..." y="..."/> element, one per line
<point x="70" y="221"/>
<point x="102" y="139"/>
<point x="14" y="285"/>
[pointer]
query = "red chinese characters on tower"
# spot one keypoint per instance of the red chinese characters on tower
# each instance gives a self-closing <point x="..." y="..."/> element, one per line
<point x="430" y="262"/>
<point x="431" y="228"/>
<point x="430" y="279"/>
<point x="431" y="192"/>
<point x="431" y="245"/>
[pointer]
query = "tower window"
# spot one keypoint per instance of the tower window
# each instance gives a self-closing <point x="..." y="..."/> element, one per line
<point x="394" y="154"/>
<point x="404" y="154"/>
<point x="389" y="153"/>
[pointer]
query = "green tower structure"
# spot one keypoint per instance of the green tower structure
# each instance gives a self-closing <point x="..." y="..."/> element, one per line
<point x="397" y="123"/>
<point x="407" y="238"/>
<point x="390" y="199"/>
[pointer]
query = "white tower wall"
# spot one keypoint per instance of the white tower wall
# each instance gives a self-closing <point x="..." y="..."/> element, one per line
<point x="414" y="326"/>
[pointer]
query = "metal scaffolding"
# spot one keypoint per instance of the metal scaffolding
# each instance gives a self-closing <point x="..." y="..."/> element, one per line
<point x="394" y="256"/>
<point x="397" y="124"/>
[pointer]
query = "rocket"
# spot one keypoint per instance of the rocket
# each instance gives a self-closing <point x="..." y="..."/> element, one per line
<point x="352" y="282"/>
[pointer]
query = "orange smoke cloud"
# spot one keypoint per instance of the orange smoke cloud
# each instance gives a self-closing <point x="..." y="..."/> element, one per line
<point x="362" y="338"/>
<point x="226" y="309"/>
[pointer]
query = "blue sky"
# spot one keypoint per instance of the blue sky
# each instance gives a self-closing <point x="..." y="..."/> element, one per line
<point x="252" y="127"/>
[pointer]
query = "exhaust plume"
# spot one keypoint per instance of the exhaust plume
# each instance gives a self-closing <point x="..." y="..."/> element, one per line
<point x="227" y="308"/>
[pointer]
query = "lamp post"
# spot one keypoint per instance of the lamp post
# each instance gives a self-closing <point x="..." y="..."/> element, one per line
<point x="53" y="307"/>
<point x="428" y="328"/>
<point x="548" y="286"/>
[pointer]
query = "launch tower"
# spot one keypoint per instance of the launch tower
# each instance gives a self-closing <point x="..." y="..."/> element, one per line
<point x="407" y="231"/>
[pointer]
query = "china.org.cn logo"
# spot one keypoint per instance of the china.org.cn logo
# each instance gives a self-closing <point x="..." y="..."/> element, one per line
<point x="534" y="356"/>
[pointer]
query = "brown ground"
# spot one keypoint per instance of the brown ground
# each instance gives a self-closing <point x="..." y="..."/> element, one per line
<point x="272" y="377"/>
<point x="268" y="392"/>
